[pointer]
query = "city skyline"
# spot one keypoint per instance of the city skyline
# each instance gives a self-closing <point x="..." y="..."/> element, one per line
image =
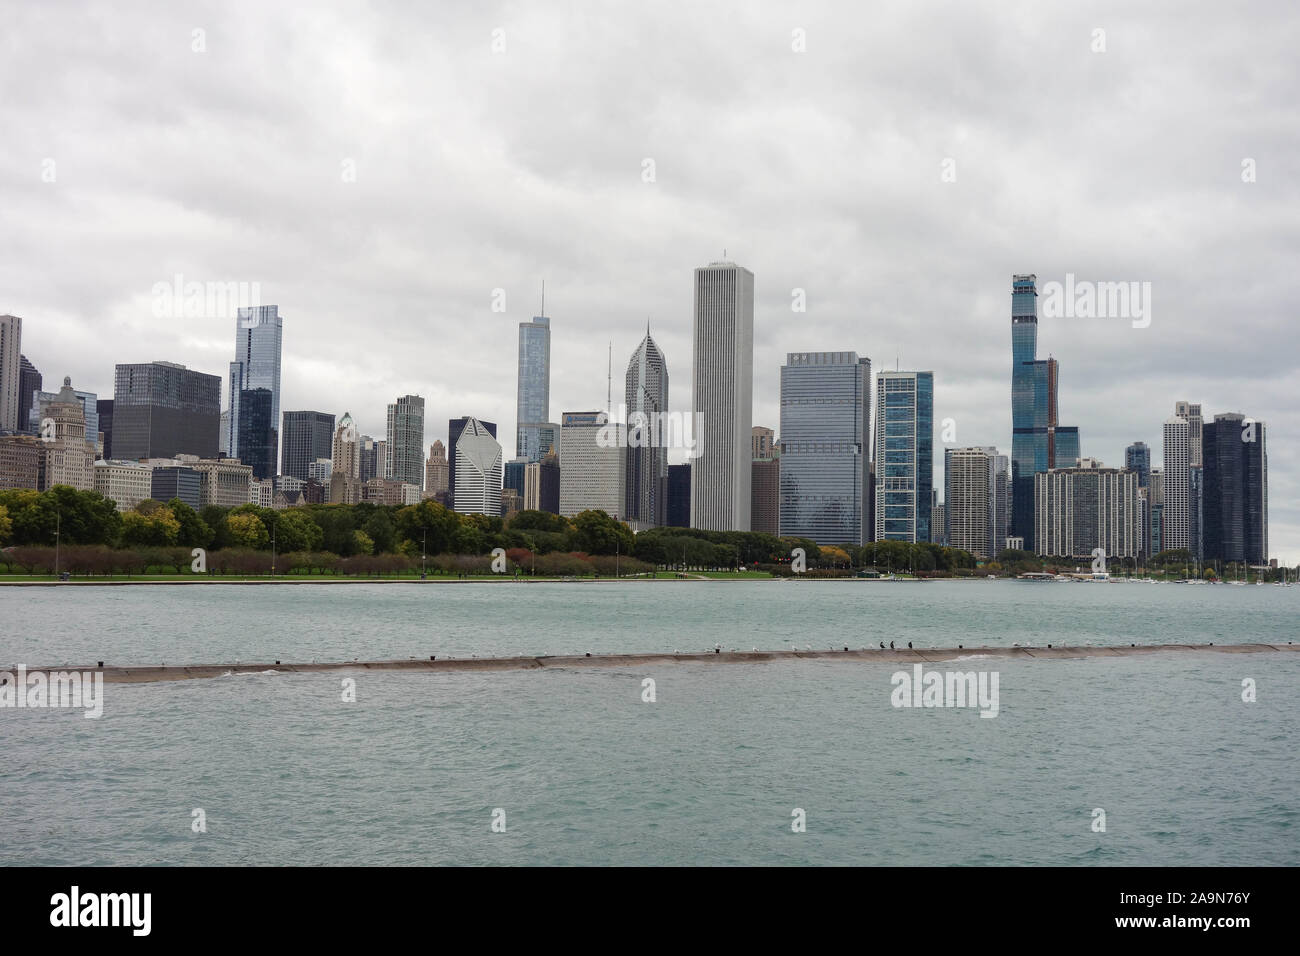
<point x="1171" y="208"/>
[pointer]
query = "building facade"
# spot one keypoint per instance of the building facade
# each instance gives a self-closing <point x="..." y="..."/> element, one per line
<point x="436" y="472"/>
<point x="126" y="482"/>
<point x="533" y="401"/>
<point x="479" y="470"/>
<point x="254" y="435"/>
<point x="11" y="366"/>
<point x="904" y="455"/>
<point x="161" y="409"/>
<point x="593" y="467"/>
<point x="455" y="427"/>
<point x="404" y="452"/>
<point x="646" y="469"/>
<point x="1235" y="462"/>
<point x="176" y="481"/>
<point x="30" y="381"/>
<point x="1078" y="510"/>
<point x="1177" y="514"/>
<point x="305" y="437"/>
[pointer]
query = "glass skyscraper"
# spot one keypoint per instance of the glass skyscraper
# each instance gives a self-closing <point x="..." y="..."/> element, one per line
<point x="904" y="455"/>
<point x="258" y="335"/>
<point x="533" y="406"/>
<point x="161" y="410"/>
<point x="1137" y="457"/>
<point x="1234" y="461"/>
<point x="646" y="478"/>
<point x="455" y="427"/>
<point x="404" y="448"/>
<point x="307" y="437"/>
<point x="825" y="446"/>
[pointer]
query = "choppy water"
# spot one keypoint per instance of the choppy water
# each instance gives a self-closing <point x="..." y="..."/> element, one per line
<point x="586" y="772"/>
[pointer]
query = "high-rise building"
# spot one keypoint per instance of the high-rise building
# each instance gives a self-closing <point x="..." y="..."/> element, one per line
<point x="254" y="435"/>
<point x="177" y="481"/>
<point x="454" y="428"/>
<point x="1137" y="458"/>
<point x="405" y="449"/>
<point x="904" y="453"/>
<point x="1177" y="485"/>
<point x="1156" y="512"/>
<point x="69" y="453"/>
<point x="478" y="470"/>
<point x="305" y="437"/>
<point x="542" y="484"/>
<point x="938" y="524"/>
<point x="646" y="469"/>
<point x="345" y="449"/>
<point x="1077" y="510"/>
<point x="224" y="482"/>
<point x="104" y="411"/>
<point x="29" y="383"/>
<point x="765" y="495"/>
<point x="22" y="462"/>
<point x="1195" y="423"/>
<point x="223" y="444"/>
<point x="975" y="506"/>
<point x="514" y="475"/>
<point x="825" y="447"/>
<point x="125" y="482"/>
<point x="722" y="397"/>
<point x="761" y="442"/>
<point x="533" y="406"/>
<point x="1235" y="462"/>
<point x="11" y="367"/>
<point x="593" y="466"/>
<point x="679" y="496"/>
<point x="436" y="471"/>
<point x="88" y="401"/>
<point x="161" y="410"/>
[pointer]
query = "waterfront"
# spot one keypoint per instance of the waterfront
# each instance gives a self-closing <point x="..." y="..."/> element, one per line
<point x="286" y="771"/>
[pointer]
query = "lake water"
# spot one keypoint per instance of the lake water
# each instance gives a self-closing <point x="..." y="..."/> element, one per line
<point x="585" y="771"/>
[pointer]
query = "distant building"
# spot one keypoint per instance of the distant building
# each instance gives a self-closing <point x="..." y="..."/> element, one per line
<point x="345" y="448"/>
<point x="478" y="470"/>
<point x="254" y="435"/>
<point x="1235" y="461"/>
<point x="69" y="454"/>
<point x="126" y="482"/>
<point x="404" y="453"/>
<point x="1191" y="411"/>
<point x="345" y="490"/>
<point x="1137" y="459"/>
<point x="825" y="446"/>
<point x="262" y="492"/>
<point x="1177" y="487"/>
<point x="533" y="404"/>
<point x="88" y="401"/>
<point x="256" y="431"/>
<point x="646" y="468"/>
<point x="22" y="462"/>
<point x="762" y="446"/>
<point x="679" y="496"/>
<point x="514" y="475"/>
<point x="1156" y="510"/>
<point x="938" y="522"/>
<point x="437" y="472"/>
<point x="224" y="482"/>
<point x="592" y="464"/>
<point x="542" y="484"/>
<point x="29" y="383"/>
<point x="722" y="398"/>
<point x="904" y="455"/>
<point x="390" y="491"/>
<point x="320" y="471"/>
<point x="11" y="345"/>
<point x="104" y="412"/>
<point x="305" y="437"/>
<point x="512" y="502"/>
<point x="161" y="409"/>
<point x="1078" y="510"/>
<point x="765" y="497"/>
<point x="176" y="481"/>
<point x="454" y="428"/>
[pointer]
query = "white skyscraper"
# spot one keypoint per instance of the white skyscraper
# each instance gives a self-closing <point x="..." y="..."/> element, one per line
<point x="1195" y="423"/>
<point x="404" y="451"/>
<point x="722" y="397"/>
<point x="593" y="464"/>
<point x="11" y="344"/>
<point x="478" y="471"/>
<point x="1176" y="522"/>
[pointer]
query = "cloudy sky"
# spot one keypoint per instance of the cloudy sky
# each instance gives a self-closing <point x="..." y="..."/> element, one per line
<point x="378" y="170"/>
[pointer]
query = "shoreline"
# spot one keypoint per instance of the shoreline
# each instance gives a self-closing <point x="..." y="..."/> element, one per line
<point x="136" y="674"/>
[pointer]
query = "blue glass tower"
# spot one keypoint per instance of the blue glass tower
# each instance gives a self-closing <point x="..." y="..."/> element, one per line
<point x="904" y="455"/>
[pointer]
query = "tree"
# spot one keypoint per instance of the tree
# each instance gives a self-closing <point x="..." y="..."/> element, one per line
<point x="246" y="530"/>
<point x="532" y="520"/>
<point x="361" y="543"/>
<point x="195" y="532"/>
<point x="159" y="528"/>
<point x="295" y="531"/>
<point x="595" y="532"/>
<point x="6" y="526"/>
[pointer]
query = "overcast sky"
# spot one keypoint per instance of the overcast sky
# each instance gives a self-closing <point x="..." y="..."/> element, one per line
<point x="380" y="169"/>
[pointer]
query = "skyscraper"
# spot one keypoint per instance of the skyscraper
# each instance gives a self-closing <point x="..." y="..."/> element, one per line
<point x="307" y="437"/>
<point x="258" y="335"/>
<point x="478" y="470"/>
<point x="533" y="405"/>
<point x="89" y="402"/>
<point x="104" y="411"/>
<point x="1079" y="509"/>
<point x="345" y="449"/>
<point x="825" y="446"/>
<point x="1192" y="412"/>
<point x="761" y="442"/>
<point x="1137" y="458"/>
<point x="404" y="452"/>
<point x="69" y="452"/>
<point x="11" y="366"/>
<point x="974" y="508"/>
<point x="161" y="410"/>
<point x="1176" y="522"/>
<point x="436" y="472"/>
<point x="29" y="383"/>
<point x="646" y="470"/>
<point x="593" y="466"/>
<point x="904" y="455"/>
<point x="1235" y="510"/>
<point x="722" y="397"/>
<point x="454" y="428"/>
<point x="679" y="496"/>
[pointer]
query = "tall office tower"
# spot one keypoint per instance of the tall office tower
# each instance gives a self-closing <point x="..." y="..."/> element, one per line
<point x="593" y="467"/>
<point x="1235" y="462"/>
<point x="256" y="436"/>
<point x="762" y="444"/>
<point x="1002" y="493"/>
<point x="29" y="383"/>
<point x="542" y="484"/>
<point x="904" y="453"/>
<point x="533" y="405"/>
<point x="1156" y="510"/>
<point x="345" y="448"/>
<point x="679" y="496"/>
<point x="104" y="411"/>
<point x="371" y="461"/>
<point x="974" y="500"/>
<point x="825" y="442"/>
<point x="939" y="524"/>
<point x="765" y="495"/>
<point x="478" y="470"/>
<point x="69" y="454"/>
<point x="1064" y="442"/>
<point x="1077" y="510"/>
<point x="436" y="471"/>
<point x="646" y="470"/>
<point x="1137" y="459"/>
<point x="11" y="367"/>
<point x="223" y="445"/>
<point x="259" y="332"/>
<point x="404" y="452"/>
<point x="723" y="395"/>
<point x="161" y="410"/>
<point x="88" y="401"/>
<point x="514" y="475"/>
<point x="306" y="437"/>
<point x="1195" y="502"/>
<point x="1177" y="490"/>
<point x="454" y="427"/>
<point x="1195" y="423"/>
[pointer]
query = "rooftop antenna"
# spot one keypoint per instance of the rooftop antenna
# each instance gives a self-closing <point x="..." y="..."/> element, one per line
<point x="609" y="384"/>
<point x="543" y="315"/>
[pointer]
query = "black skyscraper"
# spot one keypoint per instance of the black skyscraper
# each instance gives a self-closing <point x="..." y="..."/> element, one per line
<point x="679" y="496"/>
<point x="161" y="410"/>
<point x="307" y="436"/>
<point x="258" y="435"/>
<point x="29" y="382"/>
<point x="1235" y="490"/>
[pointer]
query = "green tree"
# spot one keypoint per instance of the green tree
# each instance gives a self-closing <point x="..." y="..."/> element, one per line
<point x="361" y="543"/>
<point x="158" y="528"/>
<point x="595" y="532"/>
<point x="245" y="530"/>
<point x="295" y="531"/>
<point x="195" y="532"/>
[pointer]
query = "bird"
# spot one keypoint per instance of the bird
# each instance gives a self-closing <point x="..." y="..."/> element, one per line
<point x="891" y="645"/>
<point x="882" y="645"/>
<point x="909" y="645"/>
